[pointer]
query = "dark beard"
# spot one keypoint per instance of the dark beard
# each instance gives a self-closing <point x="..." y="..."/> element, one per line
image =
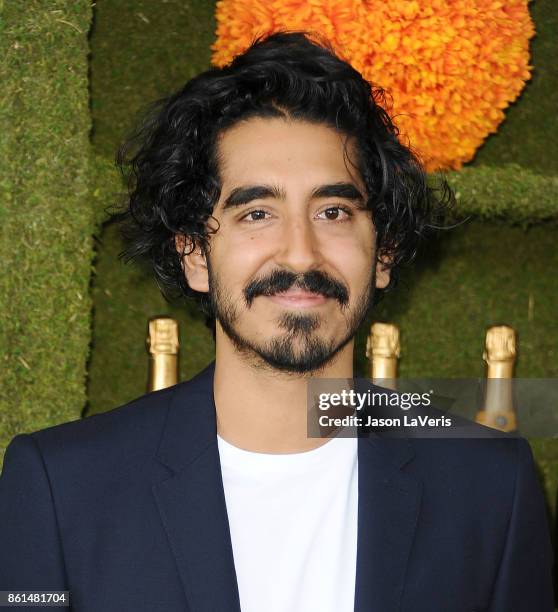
<point x="279" y="353"/>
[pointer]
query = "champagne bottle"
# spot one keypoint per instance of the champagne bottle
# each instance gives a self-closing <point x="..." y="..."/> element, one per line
<point x="382" y="349"/>
<point x="162" y="345"/>
<point x="500" y="353"/>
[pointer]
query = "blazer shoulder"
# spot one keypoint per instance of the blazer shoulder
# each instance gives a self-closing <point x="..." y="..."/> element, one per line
<point x="484" y="464"/>
<point x="130" y="429"/>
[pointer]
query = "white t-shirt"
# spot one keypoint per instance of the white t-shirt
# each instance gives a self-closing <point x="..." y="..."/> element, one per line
<point x="293" y="524"/>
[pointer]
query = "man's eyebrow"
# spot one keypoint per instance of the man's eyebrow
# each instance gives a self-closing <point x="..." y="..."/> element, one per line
<point x="245" y="194"/>
<point x="347" y="191"/>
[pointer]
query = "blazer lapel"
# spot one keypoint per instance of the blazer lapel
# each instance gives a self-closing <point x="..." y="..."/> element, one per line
<point x="388" y="509"/>
<point x="192" y="502"/>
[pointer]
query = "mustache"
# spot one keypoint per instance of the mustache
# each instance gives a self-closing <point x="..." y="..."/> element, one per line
<point x="283" y="280"/>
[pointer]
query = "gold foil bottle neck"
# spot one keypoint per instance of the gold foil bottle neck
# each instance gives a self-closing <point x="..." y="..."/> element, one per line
<point x="383" y="341"/>
<point x="383" y="349"/>
<point x="500" y="344"/>
<point x="163" y="336"/>
<point x="162" y="345"/>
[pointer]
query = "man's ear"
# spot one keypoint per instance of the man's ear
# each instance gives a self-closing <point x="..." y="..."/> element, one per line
<point x="193" y="263"/>
<point x="383" y="271"/>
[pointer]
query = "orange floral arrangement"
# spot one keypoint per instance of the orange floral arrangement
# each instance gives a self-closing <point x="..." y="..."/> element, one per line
<point x="449" y="66"/>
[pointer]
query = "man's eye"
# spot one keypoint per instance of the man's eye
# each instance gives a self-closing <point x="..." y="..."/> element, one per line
<point x="254" y="215"/>
<point x="333" y="213"/>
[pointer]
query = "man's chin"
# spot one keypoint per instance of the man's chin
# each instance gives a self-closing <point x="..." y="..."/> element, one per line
<point x="293" y="352"/>
<point x="298" y="356"/>
<point x="294" y="366"/>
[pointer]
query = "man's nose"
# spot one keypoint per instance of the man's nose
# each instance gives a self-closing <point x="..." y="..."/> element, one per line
<point x="299" y="250"/>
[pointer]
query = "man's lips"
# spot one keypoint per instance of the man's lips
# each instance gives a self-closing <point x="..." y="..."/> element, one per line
<point x="298" y="298"/>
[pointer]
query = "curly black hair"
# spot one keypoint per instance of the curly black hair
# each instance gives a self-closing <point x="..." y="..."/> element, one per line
<point x="171" y="161"/>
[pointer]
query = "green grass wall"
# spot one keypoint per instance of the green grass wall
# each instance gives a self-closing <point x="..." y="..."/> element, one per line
<point x="46" y="220"/>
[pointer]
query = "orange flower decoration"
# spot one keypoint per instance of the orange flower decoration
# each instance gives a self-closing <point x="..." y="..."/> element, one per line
<point x="450" y="66"/>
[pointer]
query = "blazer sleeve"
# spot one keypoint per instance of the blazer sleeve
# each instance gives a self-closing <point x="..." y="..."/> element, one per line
<point x="30" y="548"/>
<point x="524" y="581"/>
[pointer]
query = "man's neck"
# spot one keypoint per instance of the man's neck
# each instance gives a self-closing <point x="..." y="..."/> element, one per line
<point x="265" y="410"/>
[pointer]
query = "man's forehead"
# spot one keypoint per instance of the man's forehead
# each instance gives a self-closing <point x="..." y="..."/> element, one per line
<point x="271" y="150"/>
<point x="258" y="128"/>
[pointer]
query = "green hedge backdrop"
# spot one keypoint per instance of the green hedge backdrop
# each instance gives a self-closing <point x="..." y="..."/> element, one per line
<point x="58" y="179"/>
<point x="46" y="217"/>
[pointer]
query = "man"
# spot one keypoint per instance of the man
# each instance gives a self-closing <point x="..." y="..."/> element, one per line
<point x="274" y="191"/>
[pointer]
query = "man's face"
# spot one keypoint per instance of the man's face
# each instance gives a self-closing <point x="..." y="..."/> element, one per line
<point x="291" y="267"/>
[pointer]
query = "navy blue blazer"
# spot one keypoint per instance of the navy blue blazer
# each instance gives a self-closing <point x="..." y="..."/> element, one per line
<point x="126" y="510"/>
